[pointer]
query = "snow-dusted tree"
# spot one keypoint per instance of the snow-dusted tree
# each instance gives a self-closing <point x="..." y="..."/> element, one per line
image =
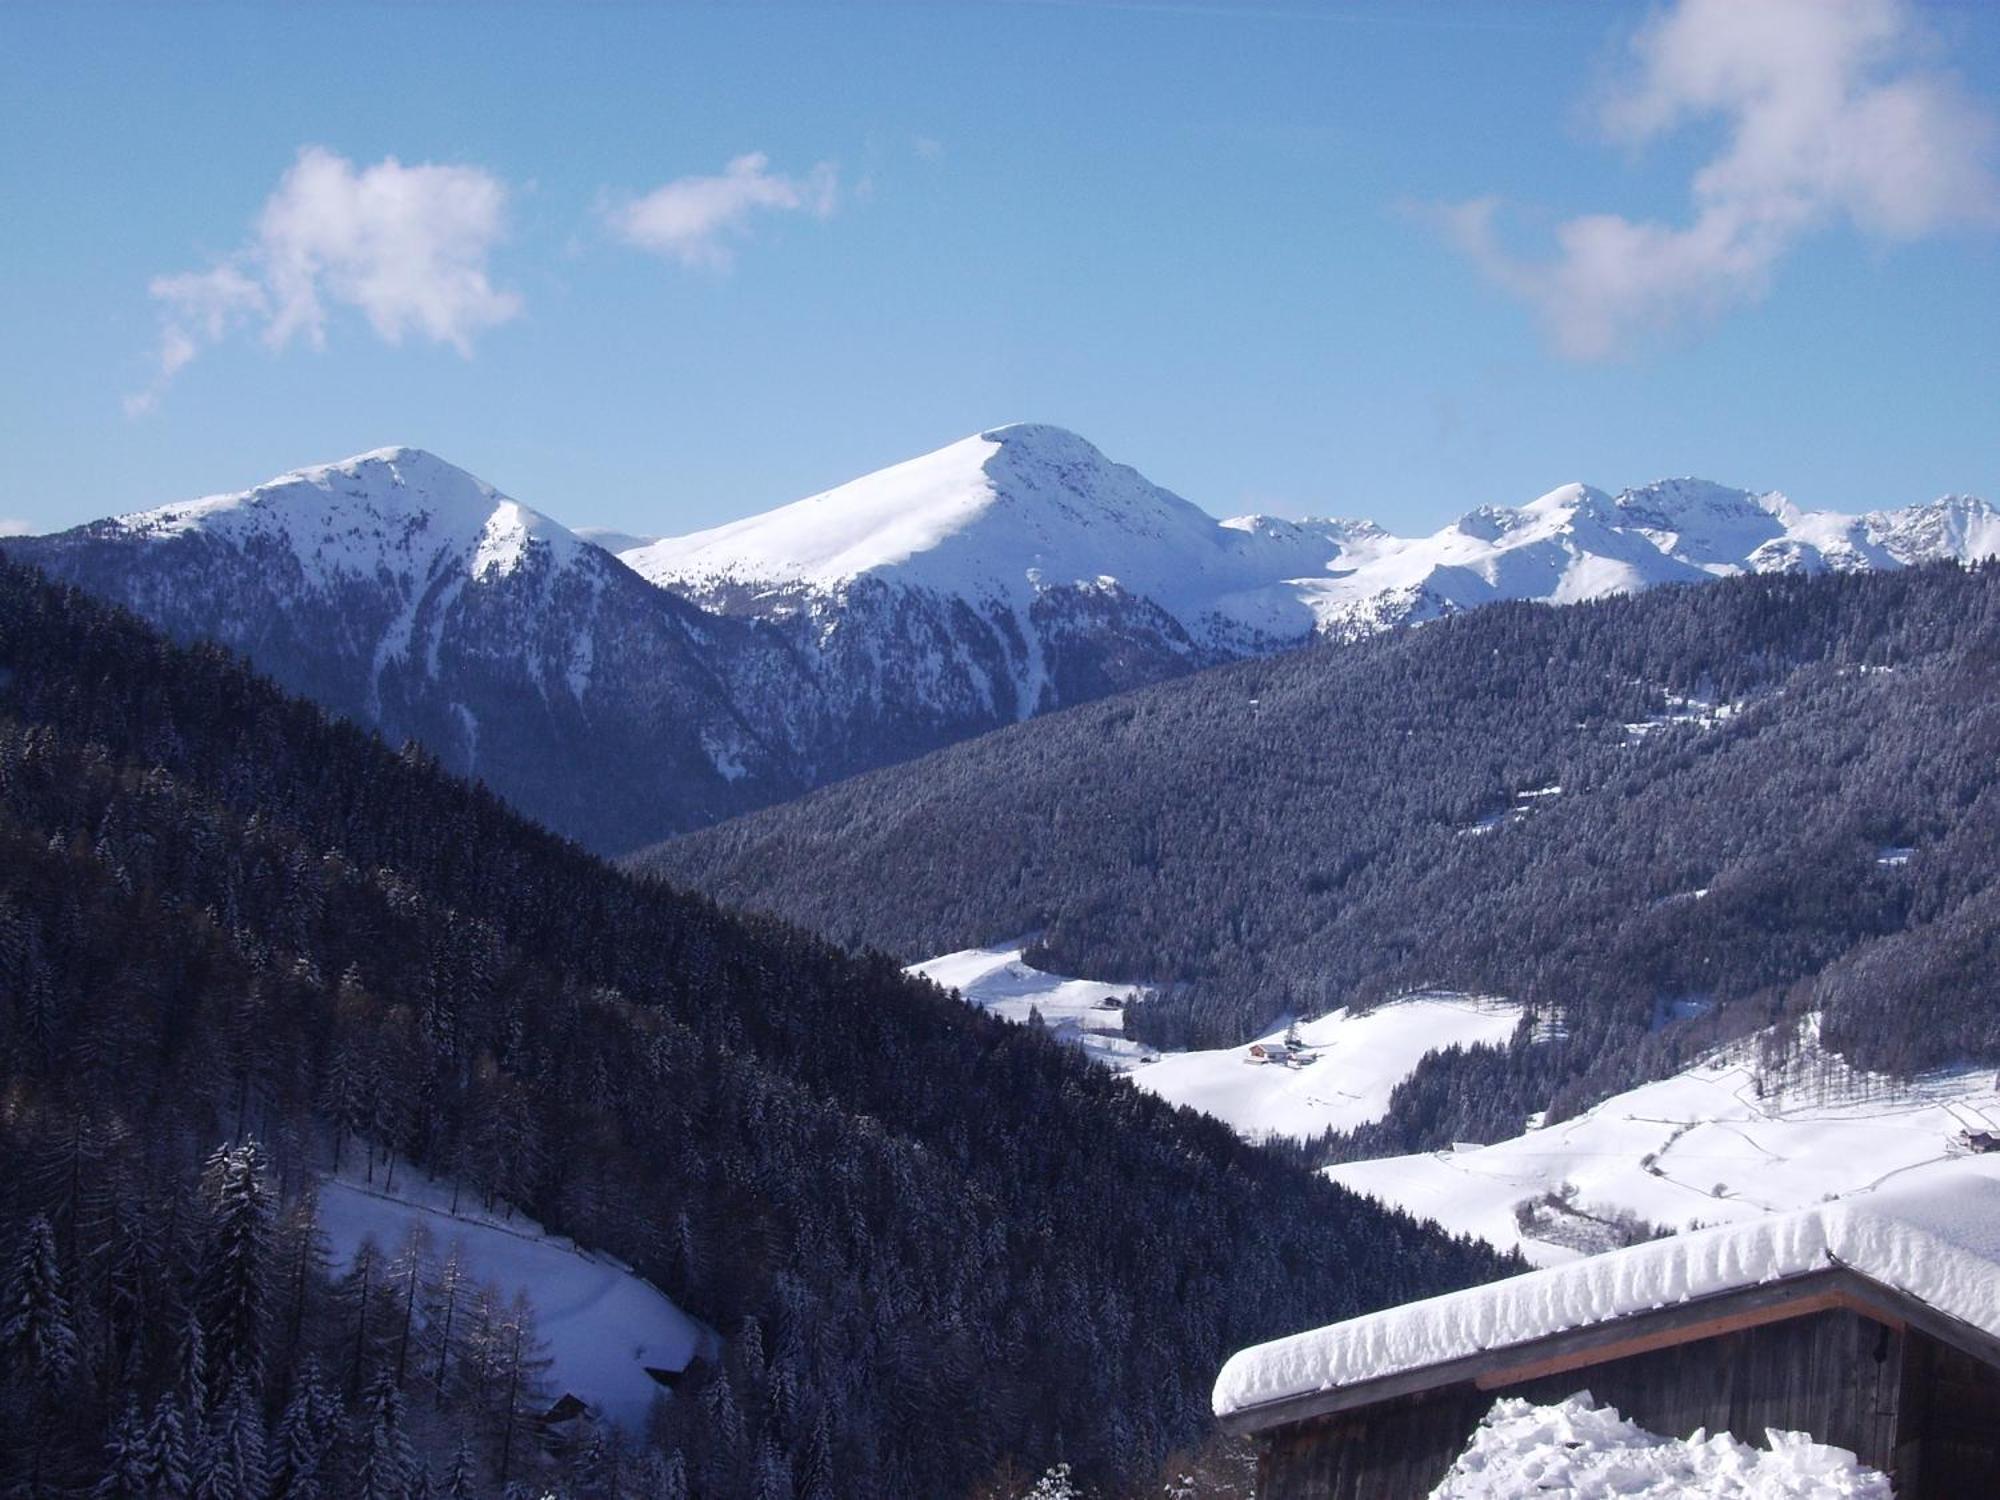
<point x="37" y="1334"/>
<point x="306" y="1435"/>
<point x="169" y="1457"/>
<point x="815" y="1476"/>
<point x="128" y="1464"/>
<point x="441" y="1335"/>
<point x="1054" y="1485"/>
<point x="461" y="1480"/>
<point x="354" y="1296"/>
<point x="771" y="1474"/>
<point x="192" y="1382"/>
<point x="235" y="1285"/>
<point x="514" y="1360"/>
<point x="405" y="1279"/>
<point x="233" y="1465"/>
<point x="387" y="1468"/>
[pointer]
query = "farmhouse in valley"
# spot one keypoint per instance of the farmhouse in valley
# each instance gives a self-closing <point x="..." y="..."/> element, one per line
<point x="1872" y="1324"/>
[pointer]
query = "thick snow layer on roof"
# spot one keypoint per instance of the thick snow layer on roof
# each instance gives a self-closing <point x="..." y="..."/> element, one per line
<point x="1937" y="1241"/>
<point x="1589" y="1452"/>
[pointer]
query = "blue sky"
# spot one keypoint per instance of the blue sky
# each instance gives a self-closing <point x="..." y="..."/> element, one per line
<point x="1280" y="257"/>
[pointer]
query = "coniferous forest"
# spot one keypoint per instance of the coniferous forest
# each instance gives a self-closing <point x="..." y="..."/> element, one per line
<point x="1659" y="821"/>
<point x="239" y="938"/>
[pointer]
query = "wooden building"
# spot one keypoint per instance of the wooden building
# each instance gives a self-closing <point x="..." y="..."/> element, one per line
<point x="1875" y="1329"/>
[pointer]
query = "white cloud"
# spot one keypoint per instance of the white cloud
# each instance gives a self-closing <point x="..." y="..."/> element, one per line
<point x="407" y="247"/>
<point x="1830" y="112"/>
<point x="694" y="219"/>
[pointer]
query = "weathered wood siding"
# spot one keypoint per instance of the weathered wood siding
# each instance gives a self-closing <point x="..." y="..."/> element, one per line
<point x="1836" y="1374"/>
<point x="1949" y="1445"/>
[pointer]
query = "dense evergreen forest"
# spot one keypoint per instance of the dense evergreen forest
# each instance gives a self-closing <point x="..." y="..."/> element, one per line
<point x="1657" y="820"/>
<point x="236" y="933"/>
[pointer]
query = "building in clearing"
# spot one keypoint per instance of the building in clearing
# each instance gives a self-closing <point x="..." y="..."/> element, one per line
<point x="1872" y="1324"/>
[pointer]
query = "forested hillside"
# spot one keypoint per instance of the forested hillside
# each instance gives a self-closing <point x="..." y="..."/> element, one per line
<point x="235" y="932"/>
<point x="1652" y="819"/>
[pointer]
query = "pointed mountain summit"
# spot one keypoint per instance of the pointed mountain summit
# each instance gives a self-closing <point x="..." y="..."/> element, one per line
<point x="623" y="688"/>
<point x="399" y="510"/>
<point x="999" y="516"/>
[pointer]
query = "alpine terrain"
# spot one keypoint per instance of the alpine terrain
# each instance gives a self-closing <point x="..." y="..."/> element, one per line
<point x="621" y="699"/>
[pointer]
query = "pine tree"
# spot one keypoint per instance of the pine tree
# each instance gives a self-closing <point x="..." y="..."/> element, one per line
<point x="406" y="1276"/>
<point x="305" y="1438"/>
<point x="442" y="1334"/>
<point x="128" y="1465"/>
<point x="234" y="1461"/>
<point x="387" y="1467"/>
<point x="37" y="1335"/>
<point x="462" y="1478"/>
<point x="169" y="1461"/>
<point x="234" y="1289"/>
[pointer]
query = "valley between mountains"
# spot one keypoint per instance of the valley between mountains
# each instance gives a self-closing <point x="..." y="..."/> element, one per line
<point x="1037" y="904"/>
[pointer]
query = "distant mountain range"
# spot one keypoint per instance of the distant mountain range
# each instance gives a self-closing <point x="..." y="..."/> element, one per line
<point x="623" y="688"/>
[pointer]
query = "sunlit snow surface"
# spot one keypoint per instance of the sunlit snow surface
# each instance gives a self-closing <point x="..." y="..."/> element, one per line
<point x="1934" y="1237"/>
<point x="1589" y="1452"/>
<point x="603" y="1324"/>
<point x="1729" y="1139"/>
<point x="1357" y="1058"/>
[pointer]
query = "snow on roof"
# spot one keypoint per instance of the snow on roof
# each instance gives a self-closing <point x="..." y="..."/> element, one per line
<point x="1938" y="1242"/>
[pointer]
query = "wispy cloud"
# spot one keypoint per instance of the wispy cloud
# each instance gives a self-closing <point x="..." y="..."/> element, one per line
<point x="696" y="220"/>
<point x="1830" y="112"/>
<point x="407" y="247"/>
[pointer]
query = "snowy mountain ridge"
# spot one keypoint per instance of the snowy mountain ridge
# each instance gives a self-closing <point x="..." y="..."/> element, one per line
<point x="622" y="688"/>
<point x="1011" y="513"/>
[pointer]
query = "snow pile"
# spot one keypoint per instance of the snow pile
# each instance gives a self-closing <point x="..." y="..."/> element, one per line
<point x="1587" y="1451"/>
<point x="604" y="1324"/>
<point x="1731" y="1138"/>
<point x="1937" y="1241"/>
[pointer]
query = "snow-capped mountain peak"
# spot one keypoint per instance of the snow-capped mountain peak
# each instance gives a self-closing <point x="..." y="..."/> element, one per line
<point x="396" y="509"/>
<point x="975" y="518"/>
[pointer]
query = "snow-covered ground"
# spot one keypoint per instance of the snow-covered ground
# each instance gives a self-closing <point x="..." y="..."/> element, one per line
<point x="1357" y="1059"/>
<point x="1589" y="1452"/>
<point x="1724" y="1141"/>
<point x="603" y="1324"/>
<point x="1086" y="1012"/>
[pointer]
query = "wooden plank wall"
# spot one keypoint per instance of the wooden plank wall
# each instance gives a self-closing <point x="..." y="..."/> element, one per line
<point x="1835" y="1374"/>
<point x="1950" y="1446"/>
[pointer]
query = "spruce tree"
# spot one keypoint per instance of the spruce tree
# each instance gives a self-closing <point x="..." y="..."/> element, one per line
<point x="128" y="1465"/>
<point x="235" y="1285"/>
<point x="37" y="1334"/>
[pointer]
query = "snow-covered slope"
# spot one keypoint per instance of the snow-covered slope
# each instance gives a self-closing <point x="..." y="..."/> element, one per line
<point x="1751" y="1130"/>
<point x="1016" y="515"/>
<point x="1012" y="572"/>
<point x="1357" y="1058"/>
<point x="404" y="592"/>
<point x="603" y="1324"/>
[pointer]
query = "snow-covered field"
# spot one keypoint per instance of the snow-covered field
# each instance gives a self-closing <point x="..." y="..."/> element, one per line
<point x="1724" y="1141"/>
<point x="1589" y="1452"/>
<point x="1076" y="1010"/>
<point x="1357" y="1059"/>
<point x="603" y="1324"/>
